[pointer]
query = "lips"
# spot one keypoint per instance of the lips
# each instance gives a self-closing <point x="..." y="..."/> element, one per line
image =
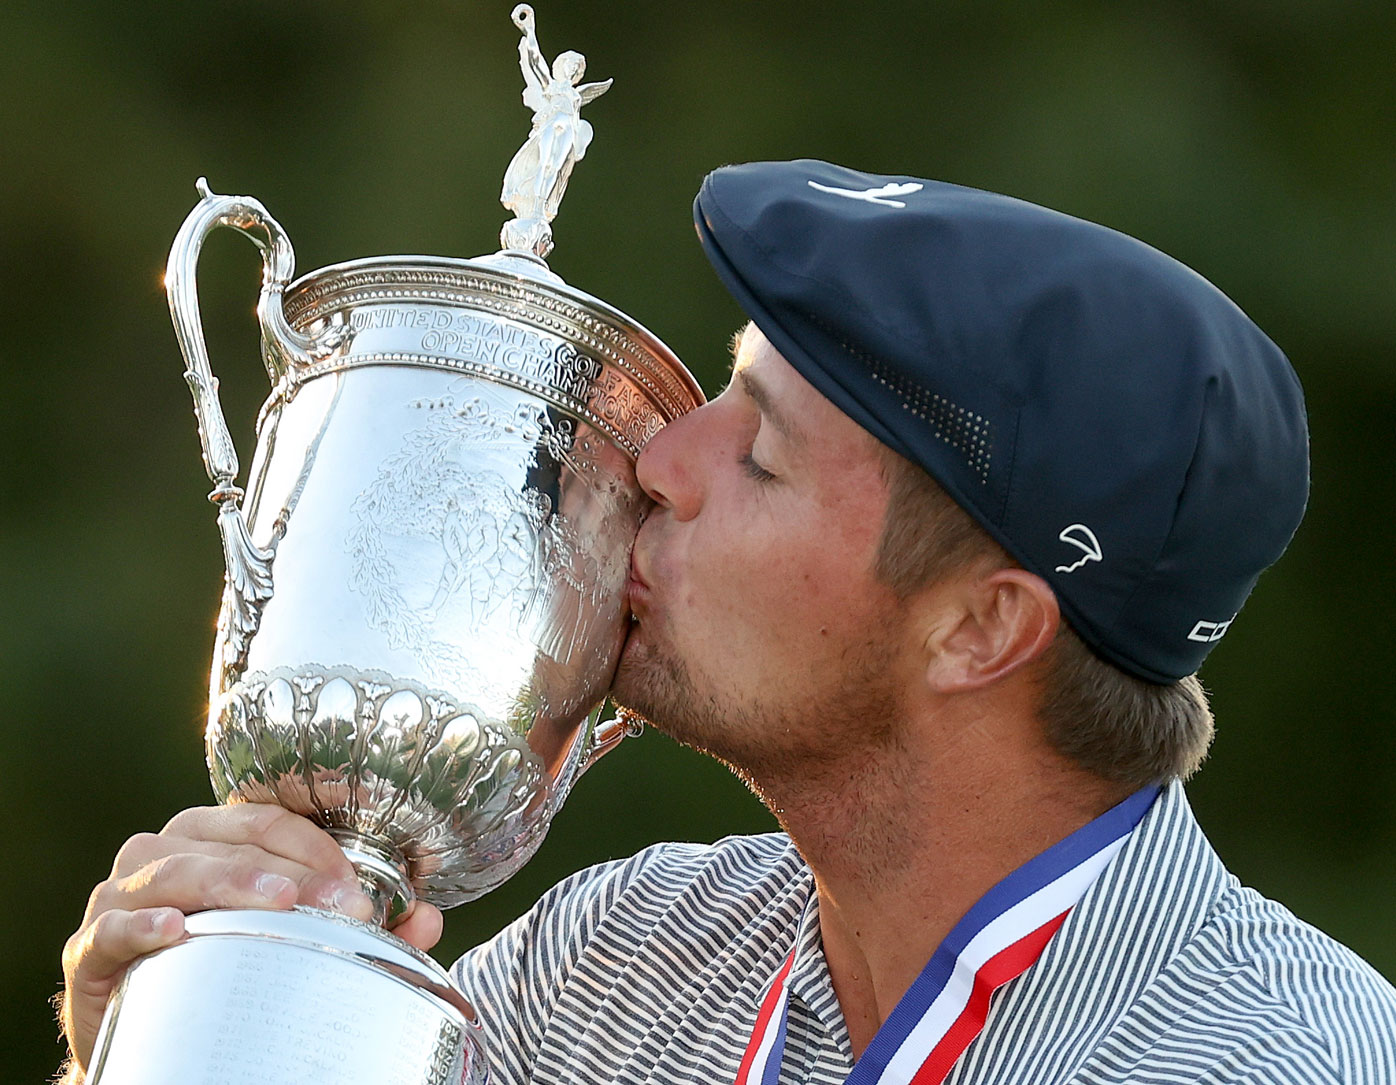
<point x="637" y="591"/>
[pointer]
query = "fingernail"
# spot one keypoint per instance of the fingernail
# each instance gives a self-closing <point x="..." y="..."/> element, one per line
<point x="271" y="886"/>
<point x="161" y="918"/>
<point x="347" y="898"/>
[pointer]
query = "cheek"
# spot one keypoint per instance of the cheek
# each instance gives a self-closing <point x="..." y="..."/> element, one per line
<point x="759" y="575"/>
<point x="782" y="597"/>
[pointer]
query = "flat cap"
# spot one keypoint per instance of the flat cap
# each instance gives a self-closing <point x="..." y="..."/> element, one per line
<point x="1109" y="416"/>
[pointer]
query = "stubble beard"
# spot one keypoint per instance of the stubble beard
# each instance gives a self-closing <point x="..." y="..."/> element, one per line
<point x="777" y="749"/>
<point x="658" y="686"/>
<point x="829" y="767"/>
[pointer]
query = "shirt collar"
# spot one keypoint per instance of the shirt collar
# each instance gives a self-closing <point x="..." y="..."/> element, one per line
<point x="1130" y="897"/>
<point x="1142" y="911"/>
<point x="809" y="975"/>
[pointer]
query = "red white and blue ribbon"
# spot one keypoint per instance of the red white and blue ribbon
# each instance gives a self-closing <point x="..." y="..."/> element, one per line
<point x="997" y="940"/>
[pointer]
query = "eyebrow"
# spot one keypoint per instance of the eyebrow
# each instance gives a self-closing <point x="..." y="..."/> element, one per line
<point x="766" y="404"/>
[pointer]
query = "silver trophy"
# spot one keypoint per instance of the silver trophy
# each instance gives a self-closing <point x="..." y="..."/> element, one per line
<point x="423" y="610"/>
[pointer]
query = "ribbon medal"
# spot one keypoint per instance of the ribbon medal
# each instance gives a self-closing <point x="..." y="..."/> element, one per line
<point x="997" y="940"/>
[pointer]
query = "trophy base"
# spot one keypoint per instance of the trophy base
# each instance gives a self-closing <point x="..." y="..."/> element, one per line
<point x="290" y="997"/>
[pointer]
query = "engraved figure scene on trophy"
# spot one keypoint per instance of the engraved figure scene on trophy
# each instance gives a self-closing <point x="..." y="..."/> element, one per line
<point x="538" y="174"/>
<point x="499" y="551"/>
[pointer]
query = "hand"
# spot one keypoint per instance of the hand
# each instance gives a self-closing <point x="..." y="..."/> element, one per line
<point x="248" y="855"/>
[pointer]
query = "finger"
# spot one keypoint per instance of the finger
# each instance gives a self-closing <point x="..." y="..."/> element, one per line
<point x="271" y="828"/>
<point x="422" y="928"/>
<point x="98" y="954"/>
<point x="193" y="882"/>
<point x="193" y="874"/>
<point x="145" y="853"/>
<point x="147" y="849"/>
<point x="95" y="959"/>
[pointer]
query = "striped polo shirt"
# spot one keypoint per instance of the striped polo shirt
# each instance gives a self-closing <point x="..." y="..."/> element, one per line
<point x="652" y="969"/>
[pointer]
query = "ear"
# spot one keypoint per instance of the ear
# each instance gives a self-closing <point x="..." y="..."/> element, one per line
<point x="988" y="627"/>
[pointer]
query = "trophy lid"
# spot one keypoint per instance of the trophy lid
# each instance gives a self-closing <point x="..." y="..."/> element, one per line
<point x="579" y="352"/>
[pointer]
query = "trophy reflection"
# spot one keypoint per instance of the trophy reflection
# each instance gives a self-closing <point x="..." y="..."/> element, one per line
<point x="423" y="609"/>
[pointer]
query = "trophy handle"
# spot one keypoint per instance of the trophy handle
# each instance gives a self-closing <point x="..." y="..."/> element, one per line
<point x="608" y="734"/>
<point x="283" y="346"/>
<point x="248" y="584"/>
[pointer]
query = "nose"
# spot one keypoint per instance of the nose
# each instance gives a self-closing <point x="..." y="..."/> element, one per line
<point x="670" y="466"/>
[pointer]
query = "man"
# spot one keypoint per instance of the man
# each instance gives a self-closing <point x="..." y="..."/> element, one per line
<point x="955" y="420"/>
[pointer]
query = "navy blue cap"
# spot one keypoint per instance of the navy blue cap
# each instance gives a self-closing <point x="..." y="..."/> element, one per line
<point x="1109" y="416"/>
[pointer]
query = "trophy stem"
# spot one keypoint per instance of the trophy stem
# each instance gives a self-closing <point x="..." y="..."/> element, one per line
<point x="382" y="874"/>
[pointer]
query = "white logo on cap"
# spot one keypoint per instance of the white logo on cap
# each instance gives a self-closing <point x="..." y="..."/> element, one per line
<point x="1207" y="632"/>
<point x="1083" y="538"/>
<point x="875" y="195"/>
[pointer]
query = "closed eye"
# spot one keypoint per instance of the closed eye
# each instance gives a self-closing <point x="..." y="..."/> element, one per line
<point x="755" y="470"/>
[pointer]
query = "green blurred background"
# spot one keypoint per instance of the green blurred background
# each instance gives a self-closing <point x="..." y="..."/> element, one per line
<point x="1253" y="139"/>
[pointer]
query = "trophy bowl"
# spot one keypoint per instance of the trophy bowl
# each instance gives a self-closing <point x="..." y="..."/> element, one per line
<point x="425" y="599"/>
<point x="423" y="609"/>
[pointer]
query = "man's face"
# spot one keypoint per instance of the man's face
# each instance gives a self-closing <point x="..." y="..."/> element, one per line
<point x="763" y="635"/>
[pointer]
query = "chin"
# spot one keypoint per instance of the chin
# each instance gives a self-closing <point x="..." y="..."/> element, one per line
<point x="662" y="693"/>
<point x="639" y="684"/>
<point x="694" y="711"/>
<point x="658" y="687"/>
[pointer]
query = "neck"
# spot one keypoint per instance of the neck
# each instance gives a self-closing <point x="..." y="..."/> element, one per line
<point x="903" y="844"/>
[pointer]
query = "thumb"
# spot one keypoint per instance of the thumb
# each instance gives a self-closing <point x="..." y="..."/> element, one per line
<point x="422" y="928"/>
